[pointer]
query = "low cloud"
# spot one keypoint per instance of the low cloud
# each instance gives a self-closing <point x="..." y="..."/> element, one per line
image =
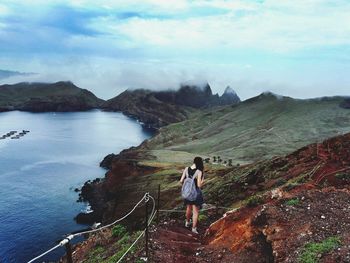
<point x="296" y="48"/>
<point x="108" y="77"/>
<point x="5" y="74"/>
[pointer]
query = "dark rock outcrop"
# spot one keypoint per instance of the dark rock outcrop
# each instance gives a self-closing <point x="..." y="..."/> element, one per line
<point x="107" y="161"/>
<point x="92" y="192"/>
<point x="159" y="108"/>
<point x="42" y="97"/>
<point x="197" y="97"/>
<point x="90" y="218"/>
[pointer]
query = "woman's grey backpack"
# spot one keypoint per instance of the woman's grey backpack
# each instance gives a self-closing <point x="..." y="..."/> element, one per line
<point x="189" y="189"/>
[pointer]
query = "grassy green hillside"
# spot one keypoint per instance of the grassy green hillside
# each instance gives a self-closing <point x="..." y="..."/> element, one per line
<point x="261" y="127"/>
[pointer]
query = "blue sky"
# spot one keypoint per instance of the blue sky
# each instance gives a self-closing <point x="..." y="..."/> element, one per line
<point x="296" y="48"/>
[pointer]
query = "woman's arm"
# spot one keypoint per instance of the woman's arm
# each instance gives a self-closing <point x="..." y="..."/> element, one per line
<point x="200" y="179"/>
<point x="183" y="176"/>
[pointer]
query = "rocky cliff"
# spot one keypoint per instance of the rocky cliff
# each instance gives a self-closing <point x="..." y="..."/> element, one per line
<point x="303" y="218"/>
<point x="159" y="108"/>
<point x="41" y="97"/>
<point x="144" y="106"/>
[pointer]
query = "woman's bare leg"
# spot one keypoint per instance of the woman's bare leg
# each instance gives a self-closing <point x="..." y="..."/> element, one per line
<point x="195" y="216"/>
<point x="188" y="213"/>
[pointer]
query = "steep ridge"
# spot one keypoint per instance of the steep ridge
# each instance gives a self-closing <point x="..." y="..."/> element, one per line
<point x="142" y="105"/>
<point x="262" y="127"/>
<point x="40" y="97"/>
<point x="159" y="108"/>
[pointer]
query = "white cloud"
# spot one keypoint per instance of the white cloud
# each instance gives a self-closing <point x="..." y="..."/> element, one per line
<point x="4" y="10"/>
<point x="252" y="46"/>
<point x="107" y="77"/>
<point x="281" y="26"/>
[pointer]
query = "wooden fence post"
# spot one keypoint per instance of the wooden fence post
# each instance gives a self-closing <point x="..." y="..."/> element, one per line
<point x="158" y="203"/>
<point x="146" y="230"/>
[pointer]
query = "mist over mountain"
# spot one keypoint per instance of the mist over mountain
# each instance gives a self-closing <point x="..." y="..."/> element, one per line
<point x="159" y="108"/>
<point x="8" y="73"/>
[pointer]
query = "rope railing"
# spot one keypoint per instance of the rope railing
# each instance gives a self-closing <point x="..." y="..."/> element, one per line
<point x="145" y="197"/>
<point x="155" y="211"/>
<point x="66" y="240"/>
<point x="46" y="252"/>
<point x="143" y="232"/>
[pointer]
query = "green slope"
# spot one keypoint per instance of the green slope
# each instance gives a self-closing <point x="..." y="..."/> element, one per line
<point x="261" y="127"/>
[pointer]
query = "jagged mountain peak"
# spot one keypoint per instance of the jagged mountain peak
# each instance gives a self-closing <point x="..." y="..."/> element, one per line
<point x="230" y="96"/>
<point x="229" y="90"/>
<point x="204" y="88"/>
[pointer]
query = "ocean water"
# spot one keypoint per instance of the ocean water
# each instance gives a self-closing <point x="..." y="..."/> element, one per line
<point x="39" y="172"/>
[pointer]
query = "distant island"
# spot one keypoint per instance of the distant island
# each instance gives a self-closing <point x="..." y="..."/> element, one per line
<point x="43" y="97"/>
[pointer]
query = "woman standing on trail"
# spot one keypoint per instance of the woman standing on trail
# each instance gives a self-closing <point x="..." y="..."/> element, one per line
<point x="192" y="181"/>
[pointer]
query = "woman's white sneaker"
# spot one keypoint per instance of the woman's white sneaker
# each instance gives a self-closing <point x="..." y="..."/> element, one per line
<point x="187" y="223"/>
<point x="194" y="230"/>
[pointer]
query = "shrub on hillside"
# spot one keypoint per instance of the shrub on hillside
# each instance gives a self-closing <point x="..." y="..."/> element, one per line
<point x="312" y="251"/>
<point x="255" y="200"/>
<point x="119" y="231"/>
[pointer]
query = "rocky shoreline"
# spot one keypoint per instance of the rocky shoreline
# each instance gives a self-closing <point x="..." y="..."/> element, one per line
<point x="102" y="193"/>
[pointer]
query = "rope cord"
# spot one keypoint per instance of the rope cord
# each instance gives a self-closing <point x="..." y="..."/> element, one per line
<point x="70" y="237"/>
<point x="43" y="254"/>
<point x="133" y="244"/>
<point x="153" y="210"/>
<point x="146" y="197"/>
<point x="143" y="232"/>
<point x="116" y="221"/>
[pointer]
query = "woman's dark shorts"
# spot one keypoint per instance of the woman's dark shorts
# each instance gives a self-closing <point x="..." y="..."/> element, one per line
<point x="198" y="202"/>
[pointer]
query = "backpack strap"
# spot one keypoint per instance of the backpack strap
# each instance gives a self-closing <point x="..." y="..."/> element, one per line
<point x="186" y="173"/>
<point x="195" y="175"/>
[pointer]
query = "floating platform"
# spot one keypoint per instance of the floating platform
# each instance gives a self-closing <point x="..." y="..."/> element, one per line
<point x="14" y="135"/>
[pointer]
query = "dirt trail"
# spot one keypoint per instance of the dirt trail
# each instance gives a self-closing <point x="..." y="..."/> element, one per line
<point x="172" y="242"/>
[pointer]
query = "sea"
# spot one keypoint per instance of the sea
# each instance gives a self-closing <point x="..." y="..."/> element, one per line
<point x="41" y="165"/>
